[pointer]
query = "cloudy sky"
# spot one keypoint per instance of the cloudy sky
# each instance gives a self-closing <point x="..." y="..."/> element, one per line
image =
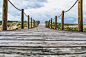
<point x="43" y="10"/>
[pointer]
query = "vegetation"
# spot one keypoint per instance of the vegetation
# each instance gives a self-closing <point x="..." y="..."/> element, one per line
<point x="14" y="25"/>
<point x="68" y="27"/>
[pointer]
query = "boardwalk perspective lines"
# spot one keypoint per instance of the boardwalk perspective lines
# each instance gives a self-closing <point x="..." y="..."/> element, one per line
<point x="41" y="40"/>
<point x="41" y="36"/>
<point x="31" y="38"/>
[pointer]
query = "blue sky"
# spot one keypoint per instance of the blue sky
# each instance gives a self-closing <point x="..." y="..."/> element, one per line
<point x="43" y="10"/>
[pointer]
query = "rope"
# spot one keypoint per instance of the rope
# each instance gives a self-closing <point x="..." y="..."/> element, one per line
<point x="68" y="9"/>
<point x="71" y="7"/>
<point x="13" y="5"/>
<point x="53" y="19"/>
<point x="26" y="15"/>
<point x="59" y="15"/>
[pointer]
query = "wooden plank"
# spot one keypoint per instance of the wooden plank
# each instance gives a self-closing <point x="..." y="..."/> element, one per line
<point x="45" y="46"/>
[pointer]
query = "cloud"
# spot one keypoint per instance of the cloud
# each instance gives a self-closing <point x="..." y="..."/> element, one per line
<point x="44" y="10"/>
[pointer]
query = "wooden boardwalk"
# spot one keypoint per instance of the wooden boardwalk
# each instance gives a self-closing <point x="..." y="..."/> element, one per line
<point x="42" y="41"/>
<point x="42" y="37"/>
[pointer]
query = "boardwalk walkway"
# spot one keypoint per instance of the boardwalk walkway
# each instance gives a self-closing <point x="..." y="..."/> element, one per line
<point x="42" y="37"/>
<point x="42" y="41"/>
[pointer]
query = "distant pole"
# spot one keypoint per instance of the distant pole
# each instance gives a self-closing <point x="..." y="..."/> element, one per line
<point x="55" y="22"/>
<point x="51" y="22"/>
<point x="80" y="15"/>
<point x="31" y="22"/>
<point x="45" y="23"/>
<point x="28" y="21"/>
<point x="37" y="23"/>
<point x="34" y="23"/>
<point x="4" y="14"/>
<point x="62" y="21"/>
<point x="22" y="18"/>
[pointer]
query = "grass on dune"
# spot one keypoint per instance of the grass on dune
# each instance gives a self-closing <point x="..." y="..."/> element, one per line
<point x="68" y="27"/>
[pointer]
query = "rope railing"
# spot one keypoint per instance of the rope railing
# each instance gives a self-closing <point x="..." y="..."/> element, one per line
<point x="80" y="17"/>
<point x="68" y="9"/>
<point x="14" y="5"/>
<point x="71" y="7"/>
<point x="59" y="16"/>
<point x="26" y="15"/>
<point x="4" y="19"/>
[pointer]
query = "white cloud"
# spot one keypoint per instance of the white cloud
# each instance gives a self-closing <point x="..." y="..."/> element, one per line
<point x="44" y="11"/>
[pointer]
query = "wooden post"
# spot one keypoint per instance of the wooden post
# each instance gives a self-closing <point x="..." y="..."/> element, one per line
<point x="55" y="22"/>
<point x="80" y="15"/>
<point x="37" y="23"/>
<point x="34" y="23"/>
<point x="31" y="22"/>
<point x="28" y="21"/>
<point x="22" y="18"/>
<point x="51" y="22"/>
<point x="4" y="14"/>
<point x="45" y="23"/>
<point x="62" y="21"/>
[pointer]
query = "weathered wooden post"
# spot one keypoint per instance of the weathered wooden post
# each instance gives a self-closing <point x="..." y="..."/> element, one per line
<point x="28" y="21"/>
<point x="4" y="14"/>
<point x="45" y="23"/>
<point x="22" y="18"/>
<point x="80" y="15"/>
<point x="34" y="23"/>
<point x="62" y="21"/>
<point x="31" y="22"/>
<point x="55" y="22"/>
<point x="51" y="22"/>
<point x="37" y="23"/>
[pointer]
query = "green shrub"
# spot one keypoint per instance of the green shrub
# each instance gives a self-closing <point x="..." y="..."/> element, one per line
<point x="18" y="24"/>
<point x="16" y="28"/>
<point x="8" y="25"/>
